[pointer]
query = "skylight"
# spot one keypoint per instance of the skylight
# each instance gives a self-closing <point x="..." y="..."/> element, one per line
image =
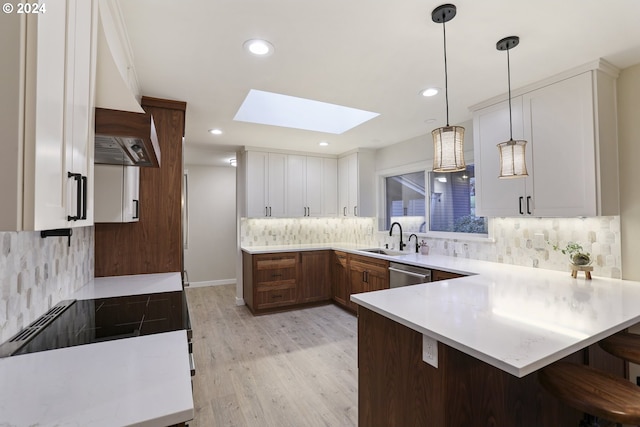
<point x="274" y="109"/>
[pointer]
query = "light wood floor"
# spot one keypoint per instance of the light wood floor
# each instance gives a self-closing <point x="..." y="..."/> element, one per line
<point x="297" y="368"/>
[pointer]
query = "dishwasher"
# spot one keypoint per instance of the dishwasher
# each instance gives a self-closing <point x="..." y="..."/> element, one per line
<point x="403" y="275"/>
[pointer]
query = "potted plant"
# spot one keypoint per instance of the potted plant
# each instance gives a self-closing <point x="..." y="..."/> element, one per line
<point x="576" y="253"/>
<point x="424" y="248"/>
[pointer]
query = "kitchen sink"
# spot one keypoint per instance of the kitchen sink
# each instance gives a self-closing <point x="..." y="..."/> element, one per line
<point x="382" y="251"/>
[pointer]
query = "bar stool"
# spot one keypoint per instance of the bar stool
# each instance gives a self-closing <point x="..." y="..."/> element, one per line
<point x="624" y="345"/>
<point x="594" y="392"/>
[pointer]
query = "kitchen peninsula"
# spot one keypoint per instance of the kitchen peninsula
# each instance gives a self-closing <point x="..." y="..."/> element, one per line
<point x="487" y="334"/>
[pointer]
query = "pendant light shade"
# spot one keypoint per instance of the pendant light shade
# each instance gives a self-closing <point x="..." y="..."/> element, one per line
<point x="448" y="149"/>
<point x="512" y="153"/>
<point x="448" y="141"/>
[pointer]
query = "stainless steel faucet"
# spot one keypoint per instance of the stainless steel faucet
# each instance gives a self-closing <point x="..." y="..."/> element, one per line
<point x="402" y="245"/>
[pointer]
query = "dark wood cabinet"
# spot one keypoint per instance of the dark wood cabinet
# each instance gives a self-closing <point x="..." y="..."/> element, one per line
<point x="154" y="243"/>
<point x="443" y="275"/>
<point x="270" y="280"/>
<point x="340" y="279"/>
<point x="315" y="276"/>
<point x="367" y="274"/>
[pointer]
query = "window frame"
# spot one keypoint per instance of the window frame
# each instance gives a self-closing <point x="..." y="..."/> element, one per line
<point x="422" y="167"/>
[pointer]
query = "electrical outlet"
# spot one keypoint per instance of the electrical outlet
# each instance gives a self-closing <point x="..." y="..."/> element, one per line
<point x="430" y="351"/>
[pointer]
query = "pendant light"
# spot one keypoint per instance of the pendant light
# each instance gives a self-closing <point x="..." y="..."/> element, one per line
<point x="512" y="153"/>
<point x="448" y="141"/>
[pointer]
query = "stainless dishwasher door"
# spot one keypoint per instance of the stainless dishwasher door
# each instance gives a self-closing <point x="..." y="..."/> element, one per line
<point x="403" y="275"/>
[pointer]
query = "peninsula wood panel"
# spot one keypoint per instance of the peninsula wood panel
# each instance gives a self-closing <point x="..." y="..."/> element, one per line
<point x="154" y="244"/>
<point x="396" y="388"/>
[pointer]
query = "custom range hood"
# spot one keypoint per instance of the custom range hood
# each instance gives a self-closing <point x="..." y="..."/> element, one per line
<point x="126" y="138"/>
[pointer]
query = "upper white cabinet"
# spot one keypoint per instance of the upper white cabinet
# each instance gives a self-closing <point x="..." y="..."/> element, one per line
<point x="570" y="125"/>
<point x="356" y="189"/>
<point x="266" y="184"/>
<point x="312" y="186"/>
<point x="289" y="185"/>
<point x="46" y="158"/>
<point x="117" y="189"/>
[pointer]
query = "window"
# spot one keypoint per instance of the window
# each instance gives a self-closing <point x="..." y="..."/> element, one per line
<point x="405" y="201"/>
<point x="450" y="200"/>
<point x="452" y="205"/>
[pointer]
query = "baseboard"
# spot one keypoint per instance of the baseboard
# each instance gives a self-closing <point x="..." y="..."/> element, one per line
<point x="212" y="283"/>
<point x="240" y="301"/>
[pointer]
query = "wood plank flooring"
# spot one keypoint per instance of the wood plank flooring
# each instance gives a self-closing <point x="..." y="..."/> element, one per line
<point x="297" y="368"/>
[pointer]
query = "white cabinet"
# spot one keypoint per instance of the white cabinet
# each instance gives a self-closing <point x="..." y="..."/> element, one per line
<point x="312" y="185"/>
<point x="266" y="183"/>
<point x="117" y="189"/>
<point x="570" y="127"/>
<point x="356" y="195"/>
<point x="47" y="101"/>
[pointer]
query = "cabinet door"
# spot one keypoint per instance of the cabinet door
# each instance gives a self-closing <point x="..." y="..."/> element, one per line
<point x="46" y="208"/>
<point x="277" y="184"/>
<point x="343" y="186"/>
<point x="352" y="207"/>
<point x="314" y="180"/>
<point x="437" y="275"/>
<point x="329" y="187"/>
<point x="560" y="122"/>
<point x="79" y="109"/>
<point x="494" y="196"/>
<point x="257" y="184"/>
<point x="131" y="200"/>
<point x="340" y="279"/>
<point x="316" y="276"/>
<point x="377" y="278"/>
<point x="357" y="282"/>
<point x="296" y="186"/>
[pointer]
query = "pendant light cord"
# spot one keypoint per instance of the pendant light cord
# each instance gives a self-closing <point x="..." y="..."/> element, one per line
<point x="446" y="80"/>
<point x="509" y="80"/>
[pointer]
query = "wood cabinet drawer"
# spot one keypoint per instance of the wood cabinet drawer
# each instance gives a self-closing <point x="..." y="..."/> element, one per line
<point x="275" y="297"/>
<point x="270" y="262"/>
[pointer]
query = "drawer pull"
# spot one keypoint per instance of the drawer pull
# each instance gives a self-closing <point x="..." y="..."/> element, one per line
<point x="276" y="275"/>
<point x="276" y="296"/>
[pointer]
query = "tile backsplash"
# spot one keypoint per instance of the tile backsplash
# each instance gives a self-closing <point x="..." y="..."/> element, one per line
<point x="519" y="241"/>
<point x="37" y="273"/>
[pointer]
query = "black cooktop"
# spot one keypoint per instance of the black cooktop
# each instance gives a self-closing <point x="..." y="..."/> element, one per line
<point x="77" y="322"/>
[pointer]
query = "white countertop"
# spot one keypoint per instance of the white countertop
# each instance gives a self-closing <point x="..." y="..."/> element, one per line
<point x="116" y="286"/>
<point x="518" y="319"/>
<point x="143" y="381"/>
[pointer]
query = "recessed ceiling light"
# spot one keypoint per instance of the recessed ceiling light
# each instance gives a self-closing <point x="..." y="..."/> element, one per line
<point x="429" y="121"/>
<point x="323" y="143"/>
<point x="258" y="47"/>
<point x="429" y="91"/>
<point x="274" y="109"/>
<point x="215" y="131"/>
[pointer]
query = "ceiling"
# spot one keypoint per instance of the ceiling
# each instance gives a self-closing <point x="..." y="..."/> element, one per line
<point x="372" y="55"/>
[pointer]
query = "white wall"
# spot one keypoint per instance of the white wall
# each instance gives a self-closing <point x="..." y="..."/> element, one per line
<point x="629" y="152"/>
<point x="210" y="257"/>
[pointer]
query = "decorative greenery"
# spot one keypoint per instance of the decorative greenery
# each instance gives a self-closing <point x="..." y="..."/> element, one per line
<point x="576" y="253"/>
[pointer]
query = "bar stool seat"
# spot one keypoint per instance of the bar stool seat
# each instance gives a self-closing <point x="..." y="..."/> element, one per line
<point x="593" y="391"/>
<point x="624" y="345"/>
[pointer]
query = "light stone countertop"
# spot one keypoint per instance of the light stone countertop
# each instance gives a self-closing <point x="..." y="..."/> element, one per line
<point x="137" y="284"/>
<point x="518" y="319"/>
<point x="142" y="381"/>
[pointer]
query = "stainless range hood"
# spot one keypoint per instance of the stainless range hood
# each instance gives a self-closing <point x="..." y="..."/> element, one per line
<point x="125" y="138"/>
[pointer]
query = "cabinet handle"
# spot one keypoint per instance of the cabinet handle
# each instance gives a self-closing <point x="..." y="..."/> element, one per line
<point x="520" y="204"/>
<point x="84" y="180"/>
<point x="136" y="215"/>
<point x="528" y="207"/>
<point x="344" y="211"/>
<point x="276" y="275"/>
<point x="366" y="276"/>
<point x="266" y="211"/>
<point x="269" y="210"/>
<point x="355" y="211"/>
<point x="78" y="178"/>
<point x="276" y="296"/>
